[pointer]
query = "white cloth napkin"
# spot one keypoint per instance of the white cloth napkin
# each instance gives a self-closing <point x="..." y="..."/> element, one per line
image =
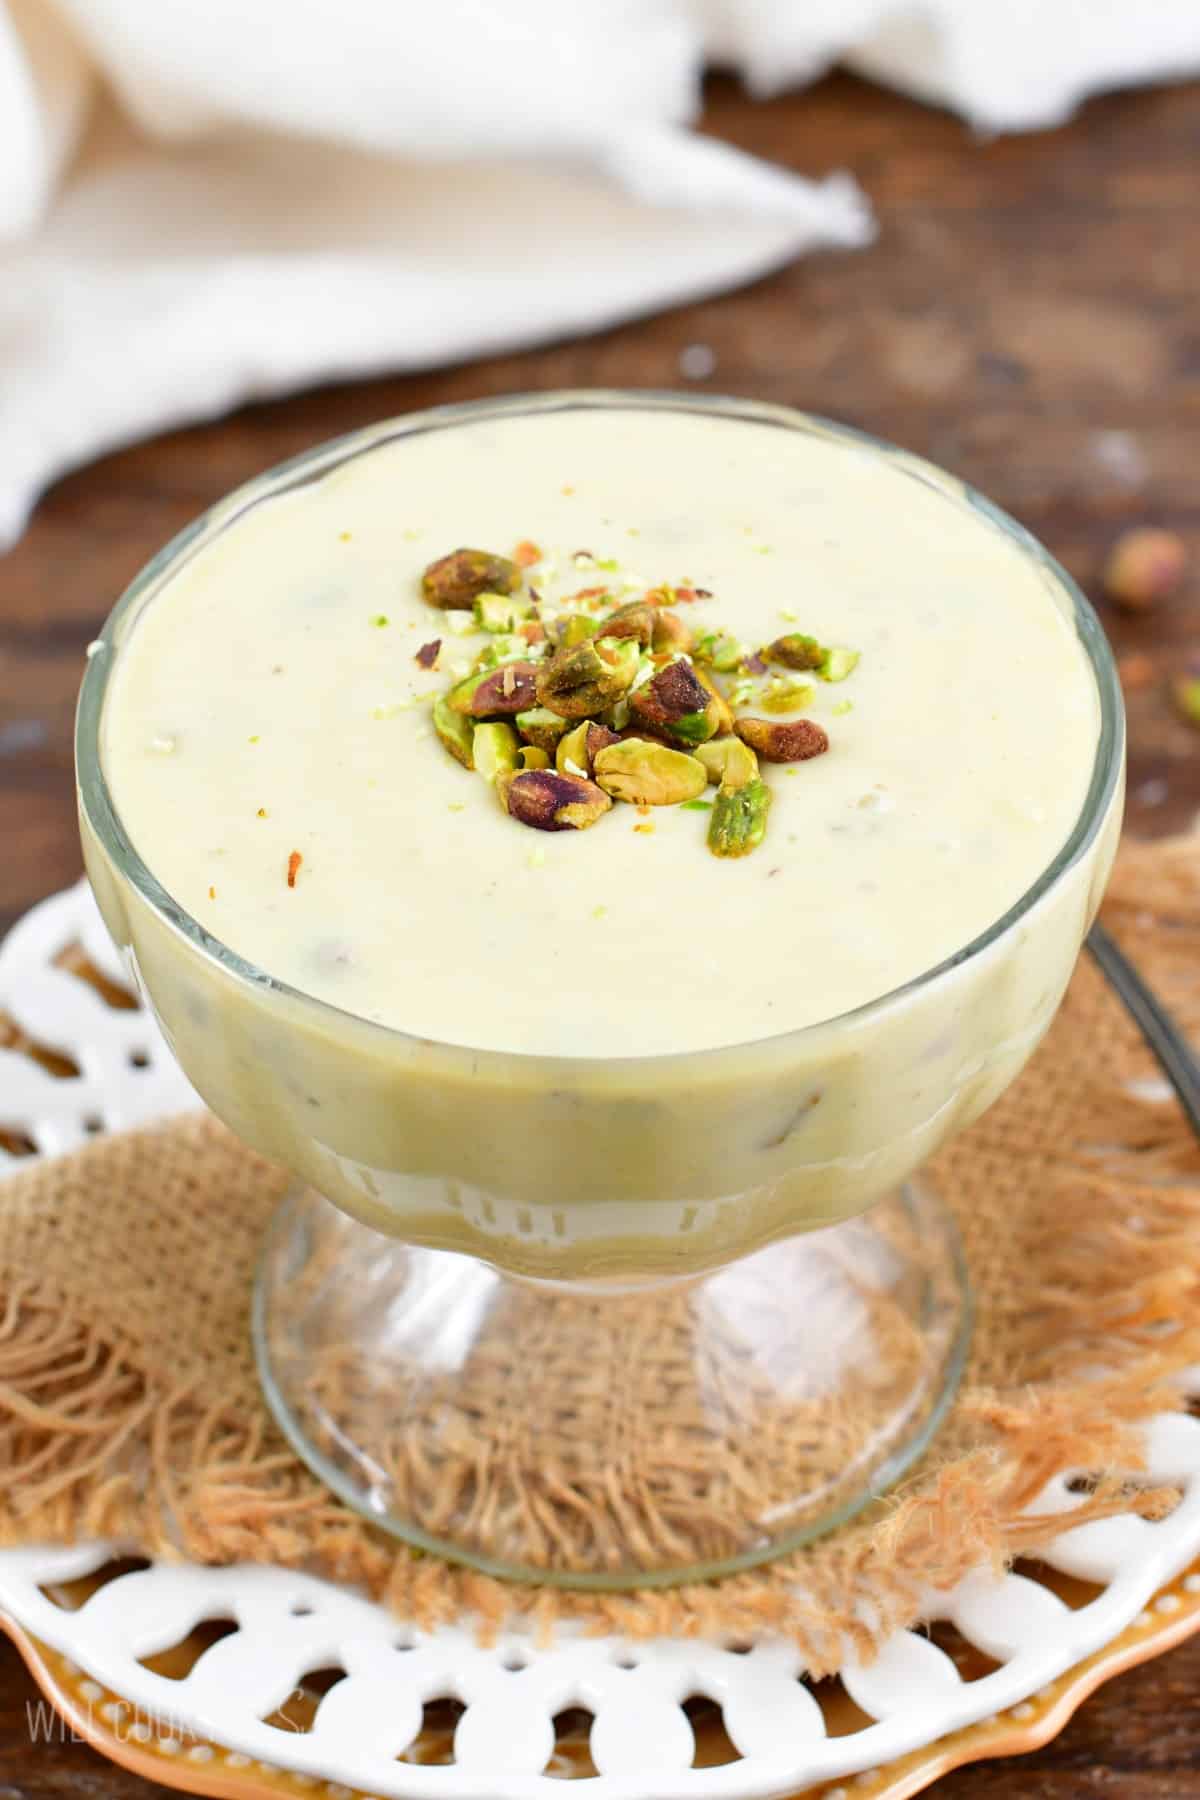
<point x="199" y="204"/>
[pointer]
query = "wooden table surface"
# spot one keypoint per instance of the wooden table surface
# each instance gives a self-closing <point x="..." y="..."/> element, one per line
<point x="1028" y="317"/>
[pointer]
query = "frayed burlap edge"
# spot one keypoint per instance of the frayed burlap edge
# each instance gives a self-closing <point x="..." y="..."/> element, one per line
<point x="1091" y="1262"/>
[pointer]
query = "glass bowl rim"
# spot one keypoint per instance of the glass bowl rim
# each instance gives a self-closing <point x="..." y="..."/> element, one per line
<point x="99" y="808"/>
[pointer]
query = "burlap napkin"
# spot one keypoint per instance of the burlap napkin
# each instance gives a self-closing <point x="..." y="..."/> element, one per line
<point x="129" y="1407"/>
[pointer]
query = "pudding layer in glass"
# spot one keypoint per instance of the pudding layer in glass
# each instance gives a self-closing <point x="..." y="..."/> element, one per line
<point x="589" y="1051"/>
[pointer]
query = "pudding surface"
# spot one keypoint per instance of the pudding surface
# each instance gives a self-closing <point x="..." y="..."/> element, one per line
<point x="269" y="703"/>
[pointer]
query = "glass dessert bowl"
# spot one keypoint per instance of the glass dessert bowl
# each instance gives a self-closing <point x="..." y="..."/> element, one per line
<point x="603" y="1319"/>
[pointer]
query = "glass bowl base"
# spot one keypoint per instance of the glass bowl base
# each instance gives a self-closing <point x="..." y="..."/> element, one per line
<point x="617" y="1436"/>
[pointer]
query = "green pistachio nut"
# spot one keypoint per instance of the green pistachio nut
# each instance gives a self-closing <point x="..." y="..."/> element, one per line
<point x="739" y="818"/>
<point x="495" y="750"/>
<point x="676" y="704"/>
<point x="837" y="663"/>
<point x="583" y="681"/>
<point x="570" y="754"/>
<point x="720" y="651"/>
<point x="506" y="646"/>
<point x="570" y="629"/>
<point x="785" y="696"/>
<point x="455" y="731"/>
<point x="502" y="692"/>
<point x="727" y="761"/>
<point x="648" y="774"/>
<point x="783" y="741"/>
<point x="547" y="801"/>
<point x="670" y="632"/>
<point x="501" y="612"/>
<point x="718" y="709"/>
<point x="533" y="758"/>
<point x="541" y="727"/>
<point x="796" y="651"/>
<point x="635" y="620"/>
<point x="457" y="579"/>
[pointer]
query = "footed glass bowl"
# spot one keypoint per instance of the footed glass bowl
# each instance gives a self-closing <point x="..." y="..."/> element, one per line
<point x="620" y="1321"/>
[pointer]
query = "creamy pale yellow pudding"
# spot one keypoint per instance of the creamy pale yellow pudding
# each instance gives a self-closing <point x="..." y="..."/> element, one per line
<point x="583" y="1050"/>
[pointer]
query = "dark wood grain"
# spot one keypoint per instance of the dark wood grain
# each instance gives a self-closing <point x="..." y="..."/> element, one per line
<point x="1028" y="318"/>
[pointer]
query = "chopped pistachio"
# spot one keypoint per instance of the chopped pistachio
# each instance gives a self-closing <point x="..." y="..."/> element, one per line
<point x="778" y="741"/>
<point x="670" y="631"/>
<point x="551" y="802"/>
<point x="570" y="753"/>
<point x="380" y="619"/>
<point x="634" y="620"/>
<point x="495" y="750"/>
<point x="585" y="680"/>
<point x="719" y="709"/>
<point x="570" y="629"/>
<point x="455" y="731"/>
<point x="739" y="820"/>
<point x="843" y="706"/>
<point x="541" y="727"/>
<point x="796" y="651"/>
<point x="696" y="806"/>
<point x="501" y="612"/>
<point x="785" y="696"/>
<point x="727" y="761"/>
<point x="506" y="647"/>
<point x="455" y="580"/>
<point x="725" y="653"/>
<point x="532" y="757"/>
<point x="649" y="774"/>
<point x="458" y="623"/>
<point x="837" y="663"/>
<point x="676" y="705"/>
<point x="499" y="693"/>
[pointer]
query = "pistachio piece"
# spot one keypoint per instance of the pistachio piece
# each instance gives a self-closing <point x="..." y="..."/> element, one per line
<point x="578" y="749"/>
<point x="506" y="646"/>
<point x="541" y="727"/>
<point x="649" y="774"/>
<point x="494" y="749"/>
<point x="727" y="761"/>
<point x="779" y="741"/>
<point x="725" y="653"/>
<point x="501" y="612"/>
<point x="719" y="709"/>
<point x="570" y="629"/>
<point x="455" y="580"/>
<point x="551" y="802"/>
<point x="502" y="692"/>
<point x="635" y="620"/>
<point x="796" y="651"/>
<point x="570" y="753"/>
<point x="676" y="704"/>
<point x="426" y="657"/>
<point x="584" y="680"/>
<point x="455" y="731"/>
<point x="670" y="632"/>
<point x="533" y="758"/>
<point x="837" y="663"/>
<point x="739" y="819"/>
<point x="785" y="696"/>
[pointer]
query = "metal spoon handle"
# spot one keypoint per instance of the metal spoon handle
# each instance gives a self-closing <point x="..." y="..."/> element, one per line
<point x="1172" y="1050"/>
